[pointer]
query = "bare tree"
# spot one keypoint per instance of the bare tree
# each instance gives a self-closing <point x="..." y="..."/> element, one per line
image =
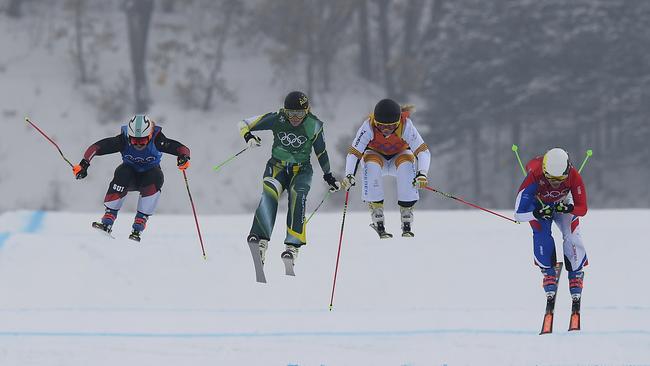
<point x="365" y="64"/>
<point x="138" y="18"/>
<point x="385" y="43"/>
<point x="79" y="7"/>
<point x="230" y="7"/>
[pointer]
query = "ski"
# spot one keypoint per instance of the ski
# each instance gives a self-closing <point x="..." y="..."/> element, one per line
<point x="574" y="322"/>
<point x="103" y="228"/>
<point x="254" y="246"/>
<point x="287" y="258"/>
<point x="381" y="231"/>
<point x="547" y="324"/>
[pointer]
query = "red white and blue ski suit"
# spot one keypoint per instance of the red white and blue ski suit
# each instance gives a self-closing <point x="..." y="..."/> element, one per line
<point x="536" y="188"/>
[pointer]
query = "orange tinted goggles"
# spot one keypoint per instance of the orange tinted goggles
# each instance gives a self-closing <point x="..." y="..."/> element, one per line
<point x="387" y="127"/>
<point x="558" y="179"/>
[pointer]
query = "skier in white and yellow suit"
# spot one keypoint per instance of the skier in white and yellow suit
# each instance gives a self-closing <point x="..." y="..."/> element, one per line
<point x="389" y="144"/>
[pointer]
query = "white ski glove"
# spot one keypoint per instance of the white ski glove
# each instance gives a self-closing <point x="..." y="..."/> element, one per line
<point x="420" y="181"/>
<point x="348" y="182"/>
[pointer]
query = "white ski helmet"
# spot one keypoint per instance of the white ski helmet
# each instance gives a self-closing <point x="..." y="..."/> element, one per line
<point x="140" y="126"/>
<point x="556" y="164"/>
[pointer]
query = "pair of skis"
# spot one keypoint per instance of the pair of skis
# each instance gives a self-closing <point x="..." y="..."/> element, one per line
<point x="574" y="322"/>
<point x="287" y="259"/>
<point x="135" y="236"/>
<point x="383" y="234"/>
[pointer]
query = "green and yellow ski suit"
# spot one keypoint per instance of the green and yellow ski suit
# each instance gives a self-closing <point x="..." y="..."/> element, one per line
<point x="288" y="169"/>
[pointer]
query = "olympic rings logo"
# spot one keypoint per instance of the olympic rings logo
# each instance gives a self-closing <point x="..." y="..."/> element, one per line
<point x="290" y="139"/>
<point x="556" y="194"/>
<point x="139" y="160"/>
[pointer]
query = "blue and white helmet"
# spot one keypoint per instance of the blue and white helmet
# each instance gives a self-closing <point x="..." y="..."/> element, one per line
<point x="140" y="126"/>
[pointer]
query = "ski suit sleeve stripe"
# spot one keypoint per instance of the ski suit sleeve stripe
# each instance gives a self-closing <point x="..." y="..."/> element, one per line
<point x="526" y="200"/>
<point x="105" y="146"/>
<point x="170" y="146"/>
<point x="359" y="144"/>
<point x="579" y="194"/>
<point x="256" y="123"/>
<point x="321" y="152"/>
<point x="413" y="138"/>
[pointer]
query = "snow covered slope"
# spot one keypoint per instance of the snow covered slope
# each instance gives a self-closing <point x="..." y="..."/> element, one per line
<point x="462" y="292"/>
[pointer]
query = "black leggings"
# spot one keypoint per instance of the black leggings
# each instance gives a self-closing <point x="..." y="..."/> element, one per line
<point x="127" y="179"/>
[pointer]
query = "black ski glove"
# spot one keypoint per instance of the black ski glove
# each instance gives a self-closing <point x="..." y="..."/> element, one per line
<point x="332" y="182"/>
<point x="183" y="161"/>
<point x="543" y="212"/>
<point x="80" y="170"/>
<point x="252" y="140"/>
<point x="564" y="207"/>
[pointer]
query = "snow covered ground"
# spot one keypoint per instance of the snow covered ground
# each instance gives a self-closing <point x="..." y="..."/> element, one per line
<point x="462" y="292"/>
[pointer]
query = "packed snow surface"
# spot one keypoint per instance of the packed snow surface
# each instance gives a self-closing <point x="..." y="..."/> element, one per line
<point x="463" y="291"/>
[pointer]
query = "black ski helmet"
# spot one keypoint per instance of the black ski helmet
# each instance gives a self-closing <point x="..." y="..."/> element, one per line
<point x="296" y="100"/>
<point x="387" y="111"/>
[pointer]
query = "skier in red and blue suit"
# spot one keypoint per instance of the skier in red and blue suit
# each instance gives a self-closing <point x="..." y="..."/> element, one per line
<point x="553" y="191"/>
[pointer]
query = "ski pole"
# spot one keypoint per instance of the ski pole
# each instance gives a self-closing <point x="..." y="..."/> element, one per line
<point x="338" y="254"/>
<point x="469" y="204"/>
<point x="216" y="168"/>
<point x="515" y="148"/>
<point x="196" y="220"/>
<point x="320" y="204"/>
<point x="50" y="140"/>
<point x="589" y="153"/>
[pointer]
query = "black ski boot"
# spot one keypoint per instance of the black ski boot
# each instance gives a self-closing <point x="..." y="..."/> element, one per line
<point x="135" y="236"/>
<point x="406" y="230"/>
<point x="106" y="229"/>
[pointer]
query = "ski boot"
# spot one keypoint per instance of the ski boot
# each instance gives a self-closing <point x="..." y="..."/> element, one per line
<point x="377" y="216"/>
<point x="139" y="224"/>
<point x="406" y="215"/>
<point x="550" y="282"/>
<point x="289" y="257"/>
<point x="575" y="288"/>
<point x="106" y="223"/>
<point x="551" y="277"/>
<point x="135" y="236"/>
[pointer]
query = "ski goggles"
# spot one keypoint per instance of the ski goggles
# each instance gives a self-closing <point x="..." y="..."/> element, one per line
<point x="386" y="127"/>
<point x="295" y="113"/>
<point x="558" y="179"/>
<point x="139" y="141"/>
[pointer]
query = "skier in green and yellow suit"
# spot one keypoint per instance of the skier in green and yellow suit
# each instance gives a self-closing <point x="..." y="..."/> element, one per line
<point x="295" y="132"/>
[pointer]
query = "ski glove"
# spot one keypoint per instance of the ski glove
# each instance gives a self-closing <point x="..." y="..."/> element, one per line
<point x="80" y="170"/>
<point x="252" y="140"/>
<point x="348" y="182"/>
<point x="420" y="181"/>
<point x="543" y="212"/>
<point x="332" y="182"/>
<point x="564" y="207"/>
<point x="183" y="162"/>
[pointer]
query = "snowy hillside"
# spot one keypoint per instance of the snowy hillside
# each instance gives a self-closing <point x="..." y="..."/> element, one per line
<point x="462" y="292"/>
<point x="47" y="94"/>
